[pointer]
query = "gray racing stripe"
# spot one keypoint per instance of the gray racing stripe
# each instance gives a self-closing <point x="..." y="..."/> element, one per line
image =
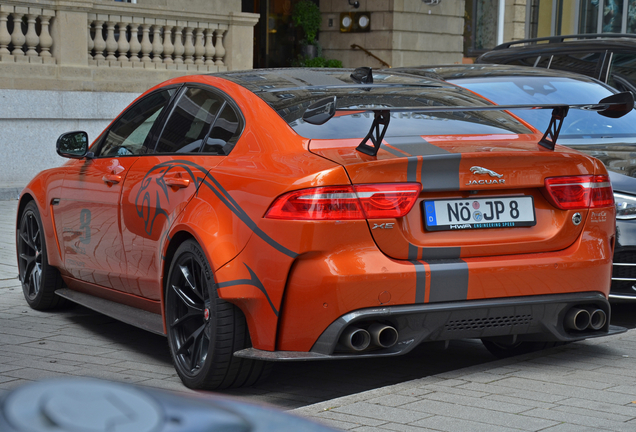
<point x="440" y="168"/>
<point x="412" y="252"/>
<point x="441" y="172"/>
<point x="420" y="281"/>
<point x="393" y="151"/>
<point x="438" y="253"/>
<point x="449" y="281"/>
<point x="415" y="146"/>
<point x="411" y="169"/>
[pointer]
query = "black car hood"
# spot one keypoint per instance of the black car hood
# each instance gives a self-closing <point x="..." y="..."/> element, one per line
<point x="623" y="183"/>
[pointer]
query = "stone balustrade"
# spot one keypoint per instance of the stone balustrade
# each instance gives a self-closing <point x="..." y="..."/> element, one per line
<point x="25" y="35"/>
<point x="103" y="45"/>
<point x="155" y="43"/>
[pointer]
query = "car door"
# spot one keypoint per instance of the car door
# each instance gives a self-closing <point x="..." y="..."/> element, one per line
<point x="159" y="185"/>
<point x="87" y="212"/>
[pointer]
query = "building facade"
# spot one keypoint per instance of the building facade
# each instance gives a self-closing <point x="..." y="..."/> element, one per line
<point x="74" y="64"/>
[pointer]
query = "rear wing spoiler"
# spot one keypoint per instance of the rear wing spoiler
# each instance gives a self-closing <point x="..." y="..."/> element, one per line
<point x="323" y="110"/>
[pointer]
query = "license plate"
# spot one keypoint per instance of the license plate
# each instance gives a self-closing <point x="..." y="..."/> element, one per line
<point x="478" y="213"/>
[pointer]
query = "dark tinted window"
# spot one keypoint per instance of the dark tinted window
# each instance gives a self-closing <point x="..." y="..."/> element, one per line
<point x="550" y="90"/>
<point x="225" y="132"/>
<point x="583" y="63"/>
<point x="128" y="134"/>
<point x="189" y="122"/>
<point x="623" y="71"/>
<point x="357" y="125"/>
<point x="290" y="92"/>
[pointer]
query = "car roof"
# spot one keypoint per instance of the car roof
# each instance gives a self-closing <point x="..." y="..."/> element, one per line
<point x="290" y="91"/>
<point x="282" y="79"/>
<point x="552" y="45"/>
<point x="591" y="41"/>
<point x="451" y="72"/>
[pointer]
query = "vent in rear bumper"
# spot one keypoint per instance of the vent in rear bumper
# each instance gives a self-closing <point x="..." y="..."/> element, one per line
<point x="490" y="322"/>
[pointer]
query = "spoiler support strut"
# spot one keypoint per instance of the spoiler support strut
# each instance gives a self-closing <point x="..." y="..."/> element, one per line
<point x="551" y="134"/>
<point x="381" y="118"/>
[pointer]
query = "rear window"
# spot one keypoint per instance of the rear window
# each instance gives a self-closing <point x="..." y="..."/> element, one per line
<point x="403" y="123"/>
<point x="551" y="90"/>
<point x="290" y="91"/>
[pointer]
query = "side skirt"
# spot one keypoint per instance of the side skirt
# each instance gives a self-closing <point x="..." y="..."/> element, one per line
<point x="139" y="318"/>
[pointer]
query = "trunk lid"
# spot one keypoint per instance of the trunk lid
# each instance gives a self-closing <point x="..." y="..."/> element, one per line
<point x="468" y="171"/>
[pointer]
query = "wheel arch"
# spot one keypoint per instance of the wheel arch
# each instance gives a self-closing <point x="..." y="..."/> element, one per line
<point x="25" y="199"/>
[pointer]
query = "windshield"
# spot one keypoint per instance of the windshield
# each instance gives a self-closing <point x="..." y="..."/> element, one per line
<point x="550" y="90"/>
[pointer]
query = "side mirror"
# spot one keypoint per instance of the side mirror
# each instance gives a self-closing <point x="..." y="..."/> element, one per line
<point x="73" y="145"/>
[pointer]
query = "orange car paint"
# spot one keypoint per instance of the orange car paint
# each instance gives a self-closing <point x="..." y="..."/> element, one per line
<point x="293" y="278"/>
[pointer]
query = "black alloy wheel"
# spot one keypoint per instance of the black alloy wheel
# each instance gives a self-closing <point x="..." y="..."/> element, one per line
<point x="203" y="330"/>
<point x="39" y="279"/>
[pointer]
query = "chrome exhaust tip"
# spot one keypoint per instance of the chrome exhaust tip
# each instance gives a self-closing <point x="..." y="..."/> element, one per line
<point x="384" y="336"/>
<point x="577" y="319"/>
<point x="598" y="318"/>
<point x="356" y="339"/>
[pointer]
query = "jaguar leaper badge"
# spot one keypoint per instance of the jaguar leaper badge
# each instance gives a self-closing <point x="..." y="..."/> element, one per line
<point x="491" y="173"/>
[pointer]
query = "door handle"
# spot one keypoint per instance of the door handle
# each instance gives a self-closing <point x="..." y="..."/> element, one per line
<point x="177" y="182"/>
<point x="111" y="179"/>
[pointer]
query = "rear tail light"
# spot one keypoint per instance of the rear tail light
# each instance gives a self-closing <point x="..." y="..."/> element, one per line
<point x="580" y="192"/>
<point x="369" y="201"/>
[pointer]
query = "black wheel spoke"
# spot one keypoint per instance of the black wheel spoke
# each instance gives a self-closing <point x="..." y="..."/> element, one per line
<point x="190" y="340"/>
<point x="192" y="283"/>
<point x="25" y="239"/>
<point x="30" y="253"/>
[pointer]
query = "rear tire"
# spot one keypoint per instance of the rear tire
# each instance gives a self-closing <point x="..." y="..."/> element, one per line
<point x="502" y="351"/>
<point x="204" y="331"/>
<point x="39" y="279"/>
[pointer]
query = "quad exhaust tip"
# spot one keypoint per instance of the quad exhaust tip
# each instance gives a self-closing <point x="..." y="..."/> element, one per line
<point x="384" y="336"/>
<point x="584" y="318"/>
<point x="378" y="335"/>
<point x="356" y="339"/>
<point x="598" y="318"/>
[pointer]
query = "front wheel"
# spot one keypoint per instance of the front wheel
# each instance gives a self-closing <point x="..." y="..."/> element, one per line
<point x="204" y="331"/>
<point x="39" y="279"/>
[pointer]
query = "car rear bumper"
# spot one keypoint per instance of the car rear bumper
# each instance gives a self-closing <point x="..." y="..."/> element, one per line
<point x="531" y="318"/>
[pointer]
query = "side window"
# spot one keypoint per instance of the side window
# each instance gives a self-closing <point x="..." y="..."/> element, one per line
<point x="225" y="132"/>
<point x="583" y="63"/>
<point x="189" y="122"/>
<point x="623" y="71"/>
<point x="128" y="134"/>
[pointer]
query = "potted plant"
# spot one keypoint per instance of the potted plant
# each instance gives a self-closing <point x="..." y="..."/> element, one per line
<point x="306" y="15"/>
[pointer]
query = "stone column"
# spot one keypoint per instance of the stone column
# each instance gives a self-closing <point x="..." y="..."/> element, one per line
<point x="31" y="37"/>
<point x="17" y="37"/>
<point x="178" y="45"/>
<point x="240" y="34"/>
<point x="5" y="36"/>
<point x="168" y="47"/>
<point x="70" y="34"/>
<point x="157" y="43"/>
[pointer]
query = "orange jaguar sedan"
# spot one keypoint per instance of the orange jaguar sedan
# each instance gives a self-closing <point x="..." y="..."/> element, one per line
<point x="299" y="214"/>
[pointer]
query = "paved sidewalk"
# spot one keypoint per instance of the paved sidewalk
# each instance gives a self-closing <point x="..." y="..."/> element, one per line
<point x="584" y="386"/>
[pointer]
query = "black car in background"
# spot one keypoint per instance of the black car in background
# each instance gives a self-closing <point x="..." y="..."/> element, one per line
<point x="613" y="141"/>
<point x="608" y="57"/>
